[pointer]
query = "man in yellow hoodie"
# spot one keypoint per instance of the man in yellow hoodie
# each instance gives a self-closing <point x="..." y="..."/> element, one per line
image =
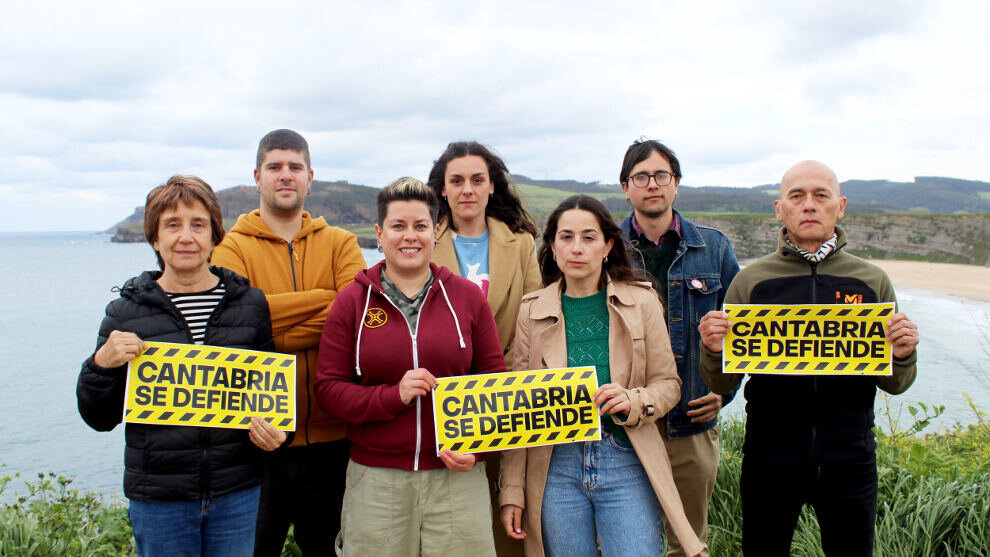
<point x="301" y="264"/>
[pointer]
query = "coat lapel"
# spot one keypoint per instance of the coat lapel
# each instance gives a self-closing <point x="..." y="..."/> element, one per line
<point x="503" y="261"/>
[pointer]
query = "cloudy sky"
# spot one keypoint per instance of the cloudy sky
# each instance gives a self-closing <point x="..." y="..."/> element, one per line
<point x="100" y="101"/>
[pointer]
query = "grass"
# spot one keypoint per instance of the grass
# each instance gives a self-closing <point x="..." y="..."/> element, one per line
<point x="934" y="491"/>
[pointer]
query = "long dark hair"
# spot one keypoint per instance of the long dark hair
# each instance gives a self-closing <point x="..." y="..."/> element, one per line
<point x="618" y="266"/>
<point x="504" y="204"/>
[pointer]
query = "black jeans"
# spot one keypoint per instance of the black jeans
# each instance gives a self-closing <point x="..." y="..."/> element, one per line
<point x="843" y="495"/>
<point x="303" y="486"/>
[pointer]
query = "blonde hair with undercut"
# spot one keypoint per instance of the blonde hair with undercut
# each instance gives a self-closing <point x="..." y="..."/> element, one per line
<point x="406" y="188"/>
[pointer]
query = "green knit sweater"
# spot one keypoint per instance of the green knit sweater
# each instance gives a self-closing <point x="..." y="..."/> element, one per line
<point x="586" y="322"/>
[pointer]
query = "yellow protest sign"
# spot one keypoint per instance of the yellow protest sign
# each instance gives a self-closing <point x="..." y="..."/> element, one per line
<point x="826" y="339"/>
<point x="498" y="411"/>
<point x="210" y="386"/>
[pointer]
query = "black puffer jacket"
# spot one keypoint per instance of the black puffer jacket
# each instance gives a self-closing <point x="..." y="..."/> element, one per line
<point x="169" y="463"/>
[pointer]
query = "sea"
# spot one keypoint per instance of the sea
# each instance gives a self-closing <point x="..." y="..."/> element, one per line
<point x="54" y="287"/>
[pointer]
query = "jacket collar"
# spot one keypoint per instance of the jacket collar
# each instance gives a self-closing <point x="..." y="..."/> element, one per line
<point x="252" y="224"/>
<point x="548" y="303"/>
<point x="783" y="249"/>
<point x="689" y="232"/>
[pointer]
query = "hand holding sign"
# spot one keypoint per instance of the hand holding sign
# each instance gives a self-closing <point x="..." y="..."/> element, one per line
<point x="611" y="398"/>
<point x="713" y="328"/>
<point x="264" y="435"/>
<point x="902" y="334"/>
<point x="120" y="348"/>
<point x="416" y="382"/>
<point x="457" y="462"/>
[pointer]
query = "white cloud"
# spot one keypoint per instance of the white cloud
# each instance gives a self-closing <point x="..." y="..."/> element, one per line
<point x="102" y="101"/>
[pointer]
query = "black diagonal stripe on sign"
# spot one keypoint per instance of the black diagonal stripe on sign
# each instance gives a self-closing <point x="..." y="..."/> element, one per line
<point x="864" y="313"/>
<point x="567" y="376"/>
<point x="150" y="351"/>
<point x="213" y="355"/>
<point x="742" y="313"/>
<point x="166" y="415"/>
<point x="127" y="411"/>
<point x="553" y="436"/>
<point x="762" y="364"/>
<point x="841" y="366"/>
<point x="762" y="313"/>
<point x="269" y="419"/>
<point x="470" y="384"/>
<point x="823" y="312"/>
<point x="441" y="446"/>
<point x="528" y="379"/>
<point x="743" y="364"/>
<point x="285" y="422"/>
<point x="456" y="447"/>
<point x="509" y="380"/>
<point x="881" y="366"/>
<point x="782" y="312"/>
<point x="232" y="357"/>
<point x="192" y="354"/>
<point x="571" y="434"/>
<point x="495" y="442"/>
<point x="884" y="312"/>
<point x="187" y="416"/>
<point x="843" y="312"/>
<point x="207" y="417"/>
<point x="590" y="433"/>
<point x="144" y="415"/>
<point x="171" y="352"/>
<point x="821" y="366"/>
<point x="286" y="363"/>
<point x="802" y="312"/>
<point x="245" y="420"/>
<point x="587" y="374"/>
<point x="449" y="385"/>
<point x="782" y="365"/>
<point x="227" y="419"/>
<point x="515" y="439"/>
<point x="475" y="445"/>
<point x="250" y="359"/>
<point x="862" y="366"/>
<point x="268" y="361"/>
<point x="490" y="382"/>
<point x="534" y="438"/>
<point x="548" y="377"/>
<point x="801" y="365"/>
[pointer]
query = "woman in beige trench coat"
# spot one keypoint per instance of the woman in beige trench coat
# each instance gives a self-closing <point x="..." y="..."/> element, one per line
<point x="563" y="499"/>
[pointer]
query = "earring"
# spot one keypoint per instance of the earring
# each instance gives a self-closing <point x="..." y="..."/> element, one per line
<point x="380" y="249"/>
<point x="444" y="197"/>
<point x="492" y="195"/>
<point x="555" y="257"/>
<point x="606" y="259"/>
<point x="436" y="243"/>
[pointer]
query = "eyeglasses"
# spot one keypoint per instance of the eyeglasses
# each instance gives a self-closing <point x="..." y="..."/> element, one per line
<point x="641" y="180"/>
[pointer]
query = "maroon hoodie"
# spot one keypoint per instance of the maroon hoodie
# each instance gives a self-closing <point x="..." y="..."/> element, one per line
<point x="367" y="347"/>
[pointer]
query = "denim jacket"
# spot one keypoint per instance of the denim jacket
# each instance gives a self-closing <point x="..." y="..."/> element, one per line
<point x="699" y="276"/>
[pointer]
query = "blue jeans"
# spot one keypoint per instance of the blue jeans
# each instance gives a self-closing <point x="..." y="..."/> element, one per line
<point x="222" y="526"/>
<point x="600" y="487"/>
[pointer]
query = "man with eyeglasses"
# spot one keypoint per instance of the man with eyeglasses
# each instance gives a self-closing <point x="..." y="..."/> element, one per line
<point x="691" y="267"/>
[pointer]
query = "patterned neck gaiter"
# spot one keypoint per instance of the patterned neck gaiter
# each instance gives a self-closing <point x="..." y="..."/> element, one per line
<point x="823" y="251"/>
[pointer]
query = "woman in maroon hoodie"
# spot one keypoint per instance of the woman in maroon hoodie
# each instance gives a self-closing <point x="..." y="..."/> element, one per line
<point x="389" y="335"/>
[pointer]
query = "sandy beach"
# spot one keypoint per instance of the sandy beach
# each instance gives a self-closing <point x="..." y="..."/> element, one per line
<point x="967" y="281"/>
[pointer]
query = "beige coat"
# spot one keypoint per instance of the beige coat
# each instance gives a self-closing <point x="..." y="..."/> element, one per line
<point x="513" y="271"/>
<point x="640" y="358"/>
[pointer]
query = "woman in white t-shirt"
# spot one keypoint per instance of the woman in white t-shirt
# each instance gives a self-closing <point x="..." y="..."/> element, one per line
<point x="487" y="237"/>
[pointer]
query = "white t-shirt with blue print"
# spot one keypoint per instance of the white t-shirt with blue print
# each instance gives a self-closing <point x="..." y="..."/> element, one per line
<point x="472" y="258"/>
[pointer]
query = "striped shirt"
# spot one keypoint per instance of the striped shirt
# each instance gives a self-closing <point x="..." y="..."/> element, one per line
<point x="196" y="308"/>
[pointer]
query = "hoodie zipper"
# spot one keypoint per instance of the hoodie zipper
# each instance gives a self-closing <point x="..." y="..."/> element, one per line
<point x="415" y="355"/>
<point x="295" y="288"/>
